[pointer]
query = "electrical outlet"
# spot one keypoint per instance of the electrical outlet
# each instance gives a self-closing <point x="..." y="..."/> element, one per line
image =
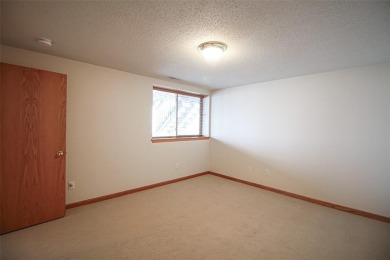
<point x="71" y="185"/>
<point x="267" y="172"/>
<point x="177" y="165"/>
<point x="250" y="169"/>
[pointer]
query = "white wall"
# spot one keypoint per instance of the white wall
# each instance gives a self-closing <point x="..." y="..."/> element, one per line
<point x="109" y="129"/>
<point x="326" y="136"/>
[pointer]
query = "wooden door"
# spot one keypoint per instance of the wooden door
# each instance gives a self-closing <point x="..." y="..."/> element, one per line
<point x="33" y="113"/>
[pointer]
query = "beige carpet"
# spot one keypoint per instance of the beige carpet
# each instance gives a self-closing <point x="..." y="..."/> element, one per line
<point x="202" y="218"/>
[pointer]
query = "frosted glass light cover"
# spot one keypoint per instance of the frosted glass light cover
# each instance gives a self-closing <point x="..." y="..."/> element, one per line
<point x="212" y="53"/>
<point x="212" y="50"/>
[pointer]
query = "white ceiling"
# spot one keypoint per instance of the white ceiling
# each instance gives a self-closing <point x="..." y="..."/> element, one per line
<point x="266" y="40"/>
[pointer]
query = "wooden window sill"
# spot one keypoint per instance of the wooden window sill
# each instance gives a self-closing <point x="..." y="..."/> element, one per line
<point x="179" y="139"/>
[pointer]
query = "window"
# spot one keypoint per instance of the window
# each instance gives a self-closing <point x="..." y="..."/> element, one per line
<point x="179" y="115"/>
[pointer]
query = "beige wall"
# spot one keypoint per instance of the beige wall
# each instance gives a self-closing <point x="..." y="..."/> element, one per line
<point x="109" y="129"/>
<point x="326" y="136"/>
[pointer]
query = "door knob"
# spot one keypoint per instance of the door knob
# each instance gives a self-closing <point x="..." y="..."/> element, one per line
<point x="60" y="153"/>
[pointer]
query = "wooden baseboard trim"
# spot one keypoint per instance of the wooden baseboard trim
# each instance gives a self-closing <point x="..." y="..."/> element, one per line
<point x="301" y="197"/>
<point x="122" y="193"/>
<point x="290" y="194"/>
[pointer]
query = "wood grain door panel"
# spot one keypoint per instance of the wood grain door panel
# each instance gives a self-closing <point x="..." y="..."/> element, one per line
<point x="33" y="130"/>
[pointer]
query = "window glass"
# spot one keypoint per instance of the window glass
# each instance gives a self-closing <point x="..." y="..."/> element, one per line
<point x="178" y="114"/>
<point x="188" y="118"/>
<point x="164" y="114"/>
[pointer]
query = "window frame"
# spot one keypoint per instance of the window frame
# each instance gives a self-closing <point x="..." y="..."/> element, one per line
<point x="176" y="138"/>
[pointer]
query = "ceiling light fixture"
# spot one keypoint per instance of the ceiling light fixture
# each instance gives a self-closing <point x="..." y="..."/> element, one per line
<point x="44" y="41"/>
<point x="212" y="50"/>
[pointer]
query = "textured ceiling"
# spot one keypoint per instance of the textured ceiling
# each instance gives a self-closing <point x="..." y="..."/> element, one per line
<point x="266" y="40"/>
